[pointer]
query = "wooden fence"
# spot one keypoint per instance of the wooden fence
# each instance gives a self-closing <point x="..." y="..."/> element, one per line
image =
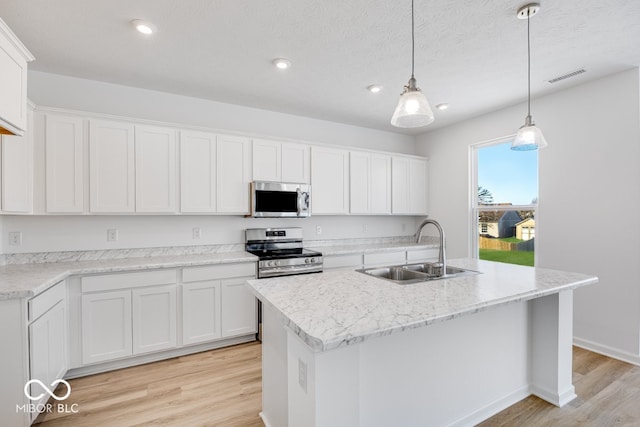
<point x="487" y="243"/>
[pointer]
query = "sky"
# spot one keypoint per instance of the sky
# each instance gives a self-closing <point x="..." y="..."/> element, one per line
<point x="510" y="176"/>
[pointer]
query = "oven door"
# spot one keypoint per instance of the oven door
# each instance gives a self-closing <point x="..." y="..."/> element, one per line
<point x="278" y="199"/>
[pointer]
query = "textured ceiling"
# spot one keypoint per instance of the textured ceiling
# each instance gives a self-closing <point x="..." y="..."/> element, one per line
<point x="469" y="53"/>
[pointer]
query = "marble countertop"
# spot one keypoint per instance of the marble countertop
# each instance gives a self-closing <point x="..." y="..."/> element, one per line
<point x="347" y="249"/>
<point x="335" y="309"/>
<point x="28" y="280"/>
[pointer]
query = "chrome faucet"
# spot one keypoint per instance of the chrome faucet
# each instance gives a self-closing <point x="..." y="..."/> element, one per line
<point x="442" y="259"/>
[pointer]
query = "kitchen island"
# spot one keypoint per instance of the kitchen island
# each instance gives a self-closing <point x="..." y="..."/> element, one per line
<point x="348" y="349"/>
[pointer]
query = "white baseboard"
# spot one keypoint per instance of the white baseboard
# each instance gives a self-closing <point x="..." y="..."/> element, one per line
<point x="265" y="420"/>
<point x="154" y="357"/>
<point x="605" y="350"/>
<point x="491" y="409"/>
<point x="557" y="399"/>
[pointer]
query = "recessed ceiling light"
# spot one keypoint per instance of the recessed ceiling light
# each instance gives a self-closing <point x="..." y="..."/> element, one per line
<point x="144" y="27"/>
<point x="281" y="63"/>
<point x="374" y="88"/>
<point x="442" y="106"/>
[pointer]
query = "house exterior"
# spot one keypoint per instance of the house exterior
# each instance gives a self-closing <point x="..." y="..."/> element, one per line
<point x="526" y="229"/>
<point x="498" y="224"/>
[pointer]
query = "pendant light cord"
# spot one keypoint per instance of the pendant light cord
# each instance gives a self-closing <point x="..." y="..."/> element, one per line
<point x="413" y="49"/>
<point x="528" y="64"/>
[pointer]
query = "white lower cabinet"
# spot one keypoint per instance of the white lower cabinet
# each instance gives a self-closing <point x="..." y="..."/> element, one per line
<point x="47" y="339"/>
<point x="239" y="308"/>
<point x="200" y="312"/>
<point x="106" y="326"/>
<point x="154" y="318"/>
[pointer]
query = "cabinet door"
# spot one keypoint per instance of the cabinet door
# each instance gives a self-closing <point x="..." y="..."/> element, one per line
<point x="418" y="186"/>
<point x="267" y="157"/>
<point x="111" y="166"/>
<point x="239" y="308"/>
<point x="295" y="163"/>
<point x="200" y="312"/>
<point x="47" y="347"/>
<point x="155" y="176"/>
<point x="154" y="318"/>
<point x="13" y="82"/>
<point x="359" y="179"/>
<point x="64" y="154"/>
<point x="17" y="172"/>
<point x="197" y="172"/>
<point x="106" y="326"/>
<point x="380" y="184"/>
<point x="329" y="180"/>
<point x="233" y="174"/>
<point x="400" y="185"/>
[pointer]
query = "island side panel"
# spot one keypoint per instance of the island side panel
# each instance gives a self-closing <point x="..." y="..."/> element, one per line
<point x="551" y="348"/>
<point x="274" y="370"/>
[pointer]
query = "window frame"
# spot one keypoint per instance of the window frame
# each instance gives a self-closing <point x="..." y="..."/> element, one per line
<point x="474" y="206"/>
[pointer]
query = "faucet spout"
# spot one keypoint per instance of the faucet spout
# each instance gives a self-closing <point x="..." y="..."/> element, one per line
<point x="442" y="258"/>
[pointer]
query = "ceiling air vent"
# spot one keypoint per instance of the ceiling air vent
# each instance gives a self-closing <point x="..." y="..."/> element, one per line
<point x="568" y="75"/>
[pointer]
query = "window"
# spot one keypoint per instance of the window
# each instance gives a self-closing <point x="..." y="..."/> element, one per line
<point x="505" y="199"/>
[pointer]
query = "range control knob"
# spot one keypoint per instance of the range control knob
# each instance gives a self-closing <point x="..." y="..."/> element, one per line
<point x="313" y="260"/>
<point x="271" y="263"/>
<point x="307" y="260"/>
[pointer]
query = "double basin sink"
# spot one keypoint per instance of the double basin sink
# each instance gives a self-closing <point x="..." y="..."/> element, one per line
<point x="415" y="273"/>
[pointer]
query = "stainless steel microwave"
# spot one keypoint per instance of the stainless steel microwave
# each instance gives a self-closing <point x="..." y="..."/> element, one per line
<point x="280" y="200"/>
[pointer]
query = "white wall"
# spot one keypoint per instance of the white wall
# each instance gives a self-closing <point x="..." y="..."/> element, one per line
<point x="53" y="90"/>
<point x="69" y="233"/>
<point x="588" y="185"/>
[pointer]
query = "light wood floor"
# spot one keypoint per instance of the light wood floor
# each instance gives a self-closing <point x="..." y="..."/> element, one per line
<point x="223" y="388"/>
<point x="215" y="388"/>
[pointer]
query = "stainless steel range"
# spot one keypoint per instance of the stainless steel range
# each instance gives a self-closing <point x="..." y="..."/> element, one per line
<point x="280" y="252"/>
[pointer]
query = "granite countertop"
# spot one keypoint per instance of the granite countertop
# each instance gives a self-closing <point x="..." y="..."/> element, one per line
<point x="28" y="280"/>
<point x="347" y="249"/>
<point x="335" y="309"/>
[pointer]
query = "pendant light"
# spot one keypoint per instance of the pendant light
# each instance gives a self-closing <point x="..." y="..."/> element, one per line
<point x="413" y="109"/>
<point x="529" y="137"/>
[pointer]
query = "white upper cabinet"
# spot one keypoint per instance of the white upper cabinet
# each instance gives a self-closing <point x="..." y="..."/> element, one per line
<point x="155" y="177"/>
<point x="329" y="181"/>
<point x="111" y="166"/>
<point x="13" y="82"/>
<point x="409" y="186"/>
<point x="370" y="183"/>
<point x="64" y="159"/>
<point x="280" y="161"/>
<point x="233" y="173"/>
<point x="296" y="163"/>
<point x="197" y="172"/>
<point x="267" y="160"/>
<point x="17" y="172"/>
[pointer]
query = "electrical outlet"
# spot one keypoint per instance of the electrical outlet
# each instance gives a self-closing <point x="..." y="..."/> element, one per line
<point x="364" y="228"/>
<point x="112" y="234"/>
<point x="404" y="227"/>
<point x="302" y="375"/>
<point x="197" y="233"/>
<point x="318" y="230"/>
<point x="15" y="238"/>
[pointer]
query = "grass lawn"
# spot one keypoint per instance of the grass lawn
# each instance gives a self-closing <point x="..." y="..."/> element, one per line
<point x="511" y="240"/>
<point x="510" y="257"/>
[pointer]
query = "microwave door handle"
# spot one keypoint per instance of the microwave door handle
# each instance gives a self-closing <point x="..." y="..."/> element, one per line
<point x="299" y="200"/>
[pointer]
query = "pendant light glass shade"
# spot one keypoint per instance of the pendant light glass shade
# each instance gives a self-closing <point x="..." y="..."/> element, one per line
<point x="529" y="137"/>
<point x="413" y="109"/>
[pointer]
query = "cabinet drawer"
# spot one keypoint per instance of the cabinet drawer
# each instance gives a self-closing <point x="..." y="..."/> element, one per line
<point x="343" y="261"/>
<point x="40" y="304"/>
<point x="422" y="255"/>
<point x="385" y="258"/>
<point x="196" y="274"/>
<point x="128" y="280"/>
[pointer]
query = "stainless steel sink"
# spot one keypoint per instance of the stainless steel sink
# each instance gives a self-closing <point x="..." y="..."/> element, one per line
<point x="416" y="273"/>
